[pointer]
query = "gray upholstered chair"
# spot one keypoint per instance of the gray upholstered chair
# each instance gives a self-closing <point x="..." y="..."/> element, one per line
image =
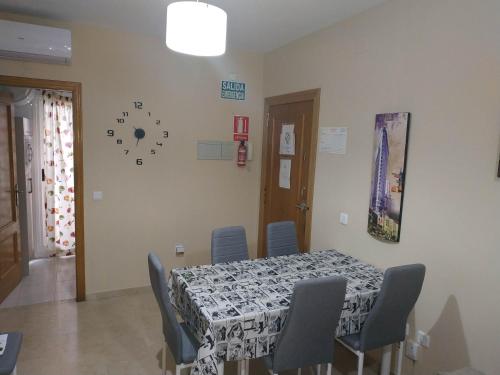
<point x="8" y="360"/>
<point x="307" y="337"/>
<point x="386" y="322"/>
<point x="178" y="337"/>
<point x="229" y="244"/>
<point x="281" y="239"/>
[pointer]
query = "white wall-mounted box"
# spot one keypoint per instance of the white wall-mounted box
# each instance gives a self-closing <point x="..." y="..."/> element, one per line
<point x="215" y="150"/>
<point x="25" y="41"/>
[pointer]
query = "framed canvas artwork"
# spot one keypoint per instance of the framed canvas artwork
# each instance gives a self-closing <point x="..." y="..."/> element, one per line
<point x="388" y="175"/>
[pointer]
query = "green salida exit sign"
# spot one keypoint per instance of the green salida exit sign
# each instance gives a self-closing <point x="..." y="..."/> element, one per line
<point x="232" y="90"/>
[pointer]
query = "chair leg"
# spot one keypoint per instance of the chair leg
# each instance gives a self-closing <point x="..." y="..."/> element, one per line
<point x="318" y="369"/>
<point x="361" y="361"/>
<point x="385" y="367"/>
<point x="220" y="368"/>
<point x="299" y="371"/>
<point x="164" y="359"/>
<point x="400" y="357"/>
<point x="329" y="369"/>
<point x="243" y="367"/>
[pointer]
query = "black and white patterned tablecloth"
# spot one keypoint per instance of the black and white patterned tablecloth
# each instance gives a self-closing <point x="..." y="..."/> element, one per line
<point x="237" y="309"/>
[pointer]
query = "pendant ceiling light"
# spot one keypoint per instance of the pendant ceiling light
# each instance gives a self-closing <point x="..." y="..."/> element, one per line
<point x="196" y="28"/>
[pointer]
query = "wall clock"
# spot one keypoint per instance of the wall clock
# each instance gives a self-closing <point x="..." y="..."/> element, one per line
<point x="138" y="134"/>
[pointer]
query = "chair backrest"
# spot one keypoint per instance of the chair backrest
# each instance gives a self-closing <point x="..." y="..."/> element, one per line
<point x="229" y="244"/>
<point x="308" y="335"/>
<point x="281" y="239"/>
<point x="171" y="328"/>
<point x="386" y="322"/>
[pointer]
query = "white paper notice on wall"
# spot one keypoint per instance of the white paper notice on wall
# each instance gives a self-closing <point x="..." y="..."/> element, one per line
<point x="285" y="168"/>
<point x="333" y="140"/>
<point x="287" y="139"/>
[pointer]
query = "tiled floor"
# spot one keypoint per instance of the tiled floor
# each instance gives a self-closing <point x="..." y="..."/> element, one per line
<point x="114" y="336"/>
<point x="50" y="279"/>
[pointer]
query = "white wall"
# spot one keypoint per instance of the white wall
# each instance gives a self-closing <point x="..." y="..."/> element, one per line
<point x="173" y="197"/>
<point x="439" y="60"/>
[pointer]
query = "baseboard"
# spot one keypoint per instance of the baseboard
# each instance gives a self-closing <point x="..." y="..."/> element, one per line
<point x="118" y="293"/>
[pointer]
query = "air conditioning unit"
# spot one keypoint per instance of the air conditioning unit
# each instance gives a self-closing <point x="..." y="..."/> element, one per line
<point x="23" y="41"/>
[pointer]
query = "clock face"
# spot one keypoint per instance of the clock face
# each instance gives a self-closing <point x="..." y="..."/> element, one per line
<point x="138" y="134"/>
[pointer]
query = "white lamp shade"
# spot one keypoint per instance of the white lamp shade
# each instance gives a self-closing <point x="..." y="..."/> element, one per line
<point x="196" y="28"/>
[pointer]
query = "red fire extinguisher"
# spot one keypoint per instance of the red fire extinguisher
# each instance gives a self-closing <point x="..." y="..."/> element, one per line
<point x="242" y="154"/>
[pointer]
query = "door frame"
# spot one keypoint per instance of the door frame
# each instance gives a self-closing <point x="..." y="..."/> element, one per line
<point x="294" y="97"/>
<point x="76" y="91"/>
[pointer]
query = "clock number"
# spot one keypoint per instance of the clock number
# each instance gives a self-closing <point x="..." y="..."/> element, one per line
<point x="157" y="122"/>
<point x="111" y="133"/>
<point x="120" y="120"/>
<point x="138" y="162"/>
<point x="119" y="141"/>
<point x="159" y="144"/>
<point x="125" y="114"/>
<point x="165" y="134"/>
<point x="126" y="152"/>
<point x="138" y="105"/>
<point x="153" y="151"/>
<point x="149" y="114"/>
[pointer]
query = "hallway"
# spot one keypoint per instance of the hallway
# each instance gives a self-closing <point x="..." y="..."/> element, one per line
<point x="50" y="279"/>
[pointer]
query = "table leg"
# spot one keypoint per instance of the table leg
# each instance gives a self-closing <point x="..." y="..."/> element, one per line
<point x="220" y="367"/>
<point x="385" y="367"/>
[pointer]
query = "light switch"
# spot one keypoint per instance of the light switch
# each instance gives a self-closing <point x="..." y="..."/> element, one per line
<point x="344" y="218"/>
<point x="97" y="195"/>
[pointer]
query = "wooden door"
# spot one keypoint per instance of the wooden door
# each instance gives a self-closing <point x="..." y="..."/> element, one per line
<point x="10" y="255"/>
<point x="289" y="198"/>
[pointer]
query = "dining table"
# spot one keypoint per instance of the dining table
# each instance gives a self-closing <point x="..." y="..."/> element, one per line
<point x="236" y="310"/>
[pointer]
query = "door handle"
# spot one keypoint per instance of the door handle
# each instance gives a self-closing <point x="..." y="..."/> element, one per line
<point x="29" y="153"/>
<point x="302" y="206"/>
<point x="17" y="190"/>
<point x="31" y="185"/>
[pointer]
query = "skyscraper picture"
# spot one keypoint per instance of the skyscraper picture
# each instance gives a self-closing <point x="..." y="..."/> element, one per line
<point x="388" y="175"/>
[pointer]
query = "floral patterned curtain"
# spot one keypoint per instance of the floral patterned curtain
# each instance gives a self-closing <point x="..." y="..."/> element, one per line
<point x="59" y="198"/>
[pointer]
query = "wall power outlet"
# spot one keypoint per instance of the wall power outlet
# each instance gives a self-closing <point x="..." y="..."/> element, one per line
<point x="179" y="248"/>
<point x="423" y="339"/>
<point x="412" y="350"/>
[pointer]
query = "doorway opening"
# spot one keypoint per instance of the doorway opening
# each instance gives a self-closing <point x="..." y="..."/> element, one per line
<point x="45" y="117"/>
<point x="288" y="163"/>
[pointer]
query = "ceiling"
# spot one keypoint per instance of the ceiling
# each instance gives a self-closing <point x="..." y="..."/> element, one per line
<point x="255" y="25"/>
